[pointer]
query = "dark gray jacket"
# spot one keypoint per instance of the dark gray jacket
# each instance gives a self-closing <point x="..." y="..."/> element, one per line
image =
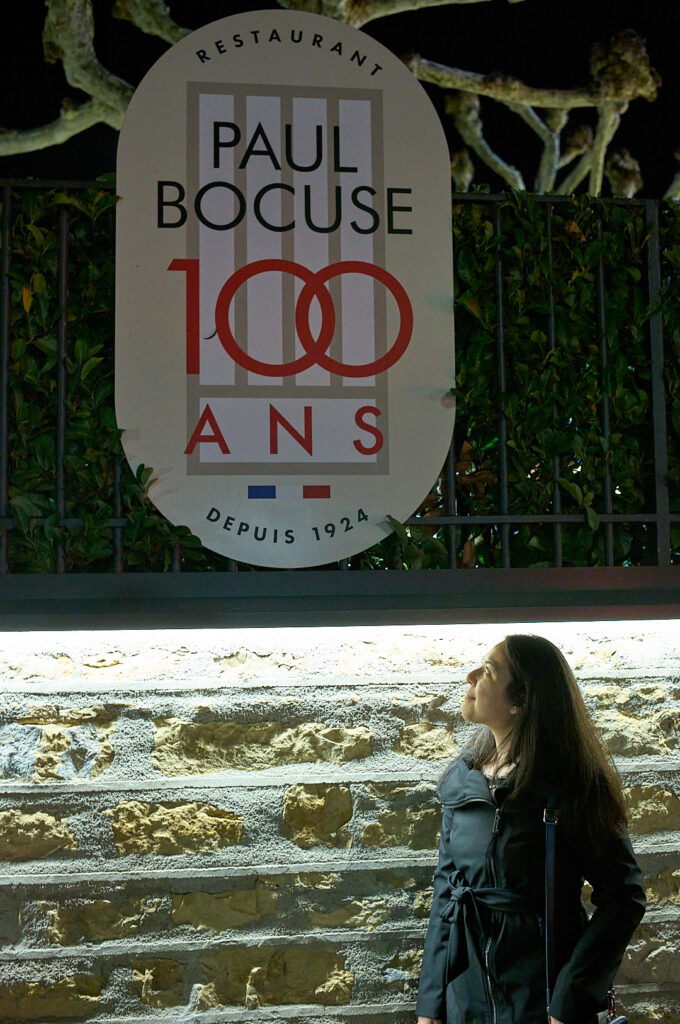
<point x="484" y="959"/>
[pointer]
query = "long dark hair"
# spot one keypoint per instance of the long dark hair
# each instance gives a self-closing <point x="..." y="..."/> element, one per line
<point x="553" y="740"/>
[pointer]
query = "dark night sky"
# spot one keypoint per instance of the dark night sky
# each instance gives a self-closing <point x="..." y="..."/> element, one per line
<point x="544" y="42"/>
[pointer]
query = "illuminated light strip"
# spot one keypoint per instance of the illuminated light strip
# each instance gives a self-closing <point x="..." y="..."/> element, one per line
<point x="288" y="491"/>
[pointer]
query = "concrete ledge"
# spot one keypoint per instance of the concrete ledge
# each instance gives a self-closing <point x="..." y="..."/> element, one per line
<point x="325" y="597"/>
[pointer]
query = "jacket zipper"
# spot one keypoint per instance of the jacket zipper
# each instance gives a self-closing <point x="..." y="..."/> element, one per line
<point x="487" y="947"/>
<point x="488" y="981"/>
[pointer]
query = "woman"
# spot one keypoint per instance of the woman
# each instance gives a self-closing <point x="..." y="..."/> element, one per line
<point x="484" y="957"/>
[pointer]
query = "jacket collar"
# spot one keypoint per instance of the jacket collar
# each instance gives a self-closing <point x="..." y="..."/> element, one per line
<point x="463" y="784"/>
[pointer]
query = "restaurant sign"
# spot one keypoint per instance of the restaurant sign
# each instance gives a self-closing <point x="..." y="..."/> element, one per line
<point x="284" y="306"/>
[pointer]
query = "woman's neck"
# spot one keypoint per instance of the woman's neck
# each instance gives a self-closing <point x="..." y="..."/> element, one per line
<point x="498" y="768"/>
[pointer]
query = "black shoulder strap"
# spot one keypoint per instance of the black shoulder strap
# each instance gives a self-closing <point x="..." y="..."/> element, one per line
<point x="550" y="819"/>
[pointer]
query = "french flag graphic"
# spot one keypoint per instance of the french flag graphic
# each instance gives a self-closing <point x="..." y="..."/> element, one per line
<point x="289" y="491"/>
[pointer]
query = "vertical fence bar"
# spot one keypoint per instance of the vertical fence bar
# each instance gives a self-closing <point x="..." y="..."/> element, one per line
<point x="4" y="374"/>
<point x="502" y="421"/>
<point x="552" y="345"/>
<point x="604" y="405"/>
<point x="62" y="338"/>
<point x="450" y="500"/>
<point x="118" y="513"/>
<point x="663" y="526"/>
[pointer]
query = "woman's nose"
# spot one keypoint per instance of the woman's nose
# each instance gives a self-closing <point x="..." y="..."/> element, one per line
<point x="472" y="676"/>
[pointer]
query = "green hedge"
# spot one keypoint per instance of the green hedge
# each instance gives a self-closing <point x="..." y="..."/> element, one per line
<point x="553" y="396"/>
<point x="552" y="400"/>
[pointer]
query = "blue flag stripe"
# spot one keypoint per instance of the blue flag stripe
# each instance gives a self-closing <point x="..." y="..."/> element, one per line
<point x="267" y="491"/>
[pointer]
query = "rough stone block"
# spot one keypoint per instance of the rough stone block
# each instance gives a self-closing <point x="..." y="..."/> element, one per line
<point x="607" y="694"/>
<point x="194" y="748"/>
<point x="664" y="887"/>
<point x="402" y="972"/>
<point x="417" y="829"/>
<point x="117" y="666"/>
<point x="159" y="983"/>
<point x="424" y="703"/>
<point x="77" y="752"/>
<point x="651" y="1013"/>
<point x="314" y="815"/>
<point x="31" y="835"/>
<point x="219" y="911"/>
<point x="669" y="723"/>
<point x="49" y="743"/>
<point x="173" y="828"/>
<point x="272" y="976"/>
<point x="10" y="921"/>
<point x="422" y="739"/>
<point x="27" y="666"/>
<point x="366" y="914"/>
<point x="315" y="880"/>
<point x="70" y="997"/>
<point x="652" y="810"/>
<point x="100" y="920"/>
<point x="422" y="904"/>
<point x="652" y="956"/>
<point x="629" y="735"/>
<point x="18" y="747"/>
<point x="653" y="693"/>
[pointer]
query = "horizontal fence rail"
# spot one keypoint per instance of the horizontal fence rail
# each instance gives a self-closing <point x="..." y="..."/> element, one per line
<point x="561" y="296"/>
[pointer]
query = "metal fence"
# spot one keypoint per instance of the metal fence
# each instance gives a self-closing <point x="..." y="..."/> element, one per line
<point x="451" y="592"/>
<point x="660" y="517"/>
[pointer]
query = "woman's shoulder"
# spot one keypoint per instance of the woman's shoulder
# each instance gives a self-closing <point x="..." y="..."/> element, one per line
<point x="454" y="777"/>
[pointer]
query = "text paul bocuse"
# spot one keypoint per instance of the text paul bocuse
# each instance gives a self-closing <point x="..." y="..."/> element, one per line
<point x="357" y="201"/>
<point x="221" y="205"/>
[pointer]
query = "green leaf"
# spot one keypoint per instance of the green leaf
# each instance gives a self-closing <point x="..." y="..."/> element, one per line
<point x="80" y="349"/>
<point x="592" y="517"/>
<point x="51" y="526"/>
<point x="398" y="528"/>
<point x="24" y="508"/>
<point x="89" y="366"/>
<point x="571" y="488"/>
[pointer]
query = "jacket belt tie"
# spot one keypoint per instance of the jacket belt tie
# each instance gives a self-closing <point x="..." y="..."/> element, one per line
<point x="462" y="910"/>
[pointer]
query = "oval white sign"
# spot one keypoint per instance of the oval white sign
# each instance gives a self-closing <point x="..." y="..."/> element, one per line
<point x="284" y="295"/>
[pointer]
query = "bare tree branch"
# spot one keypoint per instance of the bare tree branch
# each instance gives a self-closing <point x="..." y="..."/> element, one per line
<point x="360" y="12"/>
<point x="462" y="170"/>
<point x="68" y="37"/>
<point x="673" y="191"/>
<point x="549" y="133"/>
<point x="464" y="108"/>
<point x="152" y="17"/>
<point x="500" y="87"/>
<point x="620" y="73"/>
<point x="555" y="121"/>
<point x="623" y="174"/>
<point x="69" y="123"/>
<point x="577" y="174"/>
<point x="578" y="142"/>
<point x="608" y="122"/>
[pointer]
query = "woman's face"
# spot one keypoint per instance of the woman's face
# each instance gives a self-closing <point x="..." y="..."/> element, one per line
<point x="486" y="701"/>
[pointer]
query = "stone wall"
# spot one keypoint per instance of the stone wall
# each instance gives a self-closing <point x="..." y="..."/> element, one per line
<point x="202" y="825"/>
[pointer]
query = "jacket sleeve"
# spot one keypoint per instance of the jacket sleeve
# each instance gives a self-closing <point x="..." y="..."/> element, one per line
<point x="431" y="1000"/>
<point x="619" y="897"/>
